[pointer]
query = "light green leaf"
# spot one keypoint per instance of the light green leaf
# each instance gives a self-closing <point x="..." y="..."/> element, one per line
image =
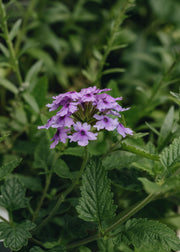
<point x="171" y="155"/>
<point x="166" y="127"/>
<point x="113" y="70"/>
<point x="7" y="168"/>
<point x="4" y="50"/>
<point x="8" y="85"/>
<point x="96" y="202"/>
<point x="149" y="236"/>
<point x="31" y="101"/>
<point x="13" y="194"/>
<point x="15" y="29"/>
<point x="16" y="236"/>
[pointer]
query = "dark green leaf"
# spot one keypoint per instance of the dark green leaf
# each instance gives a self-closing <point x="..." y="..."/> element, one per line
<point x="13" y="194"/>
<point x="62" y="170"/>
<point x="40" y="91"/>
<point x="169" y="185"/>
<point x="148" y="235"/>
<point x="43" y="156"/>
<point x="16" y="236"/>
<point x="74" y="151"/>
<point x="171" y="155"/>
<point x="96" y="202"/>
<point x="119" y="159"/>
<point x="166" y="127"/>
<point x="7" y="168"/>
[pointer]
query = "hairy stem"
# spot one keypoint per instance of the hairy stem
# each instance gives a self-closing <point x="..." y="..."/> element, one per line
<point x="48" y="181"/>
<point x="14" y="59"/>
<point x="120" y="221"/>
<point x="64" y="194"/>
<point x="118" y="21"/>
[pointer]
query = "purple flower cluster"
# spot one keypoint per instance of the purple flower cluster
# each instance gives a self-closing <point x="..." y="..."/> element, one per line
<point x="82" y="114"/>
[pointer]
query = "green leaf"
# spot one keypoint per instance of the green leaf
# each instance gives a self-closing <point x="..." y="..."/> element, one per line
<point x="16" y="236"/>
<point x="40" y="91"/>
<point x="8" y="85"/>
<point x="74" y="151"/>
<point x="43" y="156"/>
<point x="13" y="194"/>
<point x="4" y="50"/>
<point x="7" y="168"/>
<point x="118" y="160"/>
<point x="96" y="202"/>
<point x="33" y="71"/>
<point x="62" y="170"/>
<point x="4" y="137"/>
<point x="84" y="249"/>
<point x="15" y="29"/>
<point x="171" y="155"/>
<point x="166" y="127"/>
<point x="172" y="184"/>
<point x="113" y="70"/>
<point x="36" y="249"/>
<point x="149" y="236"/>
<point x="31" y="102"/>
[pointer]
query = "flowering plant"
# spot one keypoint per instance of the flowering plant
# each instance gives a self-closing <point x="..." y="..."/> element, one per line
<point x="83" y="114"/>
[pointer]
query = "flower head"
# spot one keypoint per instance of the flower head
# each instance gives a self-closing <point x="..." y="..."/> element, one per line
<point x="81" y="115"/>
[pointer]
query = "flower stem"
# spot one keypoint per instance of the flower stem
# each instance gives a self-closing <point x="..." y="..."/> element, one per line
<point x="48" y="180"/>
<point x="133" y="211"/>
<point x="120" y="221"/>
<point x="64" y="194"/>
<point x="15" y="62"/>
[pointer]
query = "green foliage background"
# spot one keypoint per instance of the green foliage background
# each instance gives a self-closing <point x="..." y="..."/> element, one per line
<point x="49" y="47"/>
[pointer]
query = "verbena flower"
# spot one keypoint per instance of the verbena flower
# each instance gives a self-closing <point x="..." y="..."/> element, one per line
<point x="81" y="115"/>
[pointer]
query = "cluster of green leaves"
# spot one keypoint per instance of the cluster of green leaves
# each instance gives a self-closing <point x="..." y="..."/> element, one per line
<point x="55" y="201"/>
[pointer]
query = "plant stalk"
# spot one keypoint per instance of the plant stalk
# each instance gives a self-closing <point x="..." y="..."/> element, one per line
<point x="64" y="194"/>
<point x="15" y="62"/>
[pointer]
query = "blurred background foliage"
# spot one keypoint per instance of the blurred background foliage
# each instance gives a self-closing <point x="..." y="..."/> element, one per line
<point x="130" y="46"/>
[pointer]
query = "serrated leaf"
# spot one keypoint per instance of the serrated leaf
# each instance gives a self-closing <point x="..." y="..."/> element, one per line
<point x="148" y="235"/>
<point x="8" y="85"/>
<point x="16" y="236"/>
<point x="166" y="127"/>
<point x="13" y="194"/>
<point x="7" y="168"/>
<point x="170" y="155"/>
<point x="15" y="29"/>
<point x="96" y="202"/>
